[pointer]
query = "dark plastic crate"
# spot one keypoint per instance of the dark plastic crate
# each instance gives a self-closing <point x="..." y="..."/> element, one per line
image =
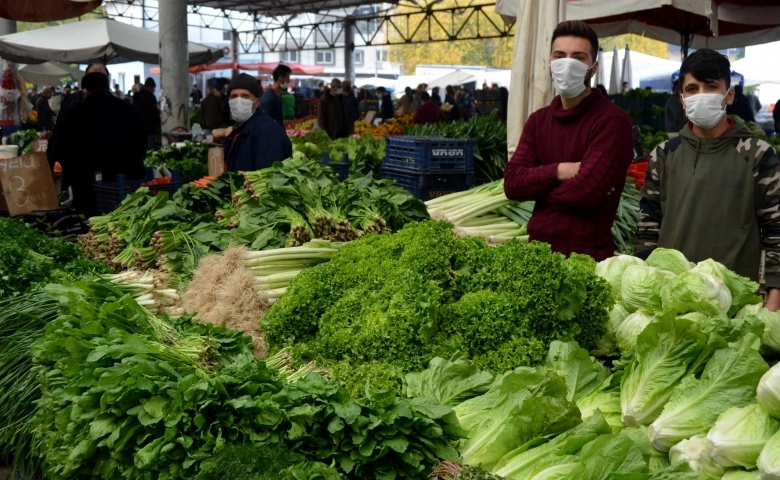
<point x="429" y="154"/>
<point x="425" y="186"/>
<point x="341" y="169"/>
<point x="109" y="195"/>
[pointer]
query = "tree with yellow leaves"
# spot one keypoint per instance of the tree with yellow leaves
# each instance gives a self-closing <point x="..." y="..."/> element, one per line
<point x="636" y="43"/>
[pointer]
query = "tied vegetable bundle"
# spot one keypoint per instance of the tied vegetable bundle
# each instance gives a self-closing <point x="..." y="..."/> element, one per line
<point x="156" y="399"/>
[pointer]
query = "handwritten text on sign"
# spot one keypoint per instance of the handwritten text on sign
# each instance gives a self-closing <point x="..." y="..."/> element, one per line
<point x="27" y="184"/>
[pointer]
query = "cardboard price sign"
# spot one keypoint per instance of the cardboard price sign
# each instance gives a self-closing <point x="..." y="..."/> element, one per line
<point x="26" y="184"/>
<point x="216" y="161"/>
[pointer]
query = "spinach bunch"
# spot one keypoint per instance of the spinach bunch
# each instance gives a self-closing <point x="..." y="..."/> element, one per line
<point x="191" y="159"/>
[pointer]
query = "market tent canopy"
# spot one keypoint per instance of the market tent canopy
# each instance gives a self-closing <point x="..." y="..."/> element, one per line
<point x="690" y="23"/>
<point x="45" y="10"/>
<point x="387" y="83"/>
<point x="296" y="68"/>
<point x="758" y="70"/>
<point x="643" y="67"/>
<point x="664" y="82"/>
<point x="101" y="39"/>
<point x="49" y="73"/>
<point x="458" y="77"/>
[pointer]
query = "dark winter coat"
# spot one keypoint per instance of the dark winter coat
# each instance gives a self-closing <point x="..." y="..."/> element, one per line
<point x="256" y="144"/>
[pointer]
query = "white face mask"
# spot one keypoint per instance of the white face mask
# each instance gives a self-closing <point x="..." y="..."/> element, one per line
<point x="705" y="109"/>
<point x="568" y="76"/>
<point x="241" y="109"/>
<point x="284" y="85"/>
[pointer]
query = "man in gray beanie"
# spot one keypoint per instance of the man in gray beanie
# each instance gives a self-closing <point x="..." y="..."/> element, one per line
<point x="256" y="141"/>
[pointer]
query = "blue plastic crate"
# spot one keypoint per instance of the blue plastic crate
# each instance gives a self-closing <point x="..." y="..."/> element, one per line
<point x="108" y="195"/>
<point x="426" y="186"/>
<point x="341" y="169"/>
<point x="429" y="154"/>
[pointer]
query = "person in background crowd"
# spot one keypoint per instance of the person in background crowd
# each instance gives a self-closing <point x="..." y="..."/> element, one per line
<point x="256" y="141"/>
<point x="428" y="112"/>
<point x="573" y="155"/>
<point x="626" y="88"/>
<point x="331" y="112"/>
<point x="319" y="90"/>
<point x="386" y="109"/>
<point x="714" y="191"/>
<point x="102" y="134"/>
<point x="117" y="92"/>
<point x="196" y="95"/>
<point x="754" y="102"/>
<point x="67" y="90"/>
<point x="45" y="113"/>
<point x="435" y="97"/>
<point x="602" y="89"/>
<point x="406" y="101"/>
<point x="417" y="100"/>
<point x="741" y="106"/>
<point x="351" y="106"/>
<point x="466" y="103"/>
<point x="457" y="112"/>
<point x="271" y="103"/>
<point x="34" y="97"/>
<point x="147" y="102"/>
<point x="649" y="89"/>
<point x="449" y="96"/>
<point x="226" y="118"/>
<point x="674" y="117"/>
<point x="212" y="106"/>
<point x="503" y="103"/>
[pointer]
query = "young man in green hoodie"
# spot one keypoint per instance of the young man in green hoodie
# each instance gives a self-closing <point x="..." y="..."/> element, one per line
<point x="714" y="191"/>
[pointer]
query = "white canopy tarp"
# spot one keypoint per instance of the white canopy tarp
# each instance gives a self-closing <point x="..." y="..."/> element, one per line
<point x="758" y="70"/>
<point x="456" y="78"/>
<point x="643" y="66"/>
<point x="375" y="82"/>
<point x="614" y="74"/>
<point x="618" y="18"/>
<point x="100" y="39"/>
<point x="49" y="73"/>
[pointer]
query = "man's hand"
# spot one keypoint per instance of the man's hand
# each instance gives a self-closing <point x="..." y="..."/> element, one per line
<point x="567" y="170"/>
<point x="220" y="133"/>
<point x="773" y="300"/>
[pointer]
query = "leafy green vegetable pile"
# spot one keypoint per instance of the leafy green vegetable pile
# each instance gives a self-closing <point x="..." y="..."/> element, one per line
<point x="488" y="133"/>
<point x="30" y="259"/>
<point x="288" y="204"/>
<point x="128" y="394"/>
<point x="191" y="159"/>
<point x="365" y="153"/>
<point x="24" y="139"/>
<point x="393" y="302"/>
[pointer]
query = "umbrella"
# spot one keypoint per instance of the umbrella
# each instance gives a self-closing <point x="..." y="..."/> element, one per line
<point x="83" y="42"/>
<point x="458" y="77"/>
<point x="532" y="86"/>
<point x="49" y="73"/>
<point x="627" y="75"/>
<point x="601" y="78"/>
<point x="614" y="80"/>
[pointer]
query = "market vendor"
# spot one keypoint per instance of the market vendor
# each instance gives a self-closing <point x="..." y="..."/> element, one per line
<point x="573" y="154"/>
<point x="256" y="141"/>
<point x="714" y="191"/>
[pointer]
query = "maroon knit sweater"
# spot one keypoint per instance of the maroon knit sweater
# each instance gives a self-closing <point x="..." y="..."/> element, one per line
<point x="575" y="215"/>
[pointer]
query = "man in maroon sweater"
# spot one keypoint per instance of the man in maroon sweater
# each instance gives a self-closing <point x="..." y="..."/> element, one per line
<point x="573" y="155"/>
<point x="428" y="112"/>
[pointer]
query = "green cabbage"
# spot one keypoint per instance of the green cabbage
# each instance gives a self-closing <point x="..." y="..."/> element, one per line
<point x="695" y="317"/>
<point x="696" y="292"/>
<point x="743" y="290"/>
<point x="450" y="382"/>
<point x="612" y="456"/>
<point x="693" y="452"/>
<point x="740" y="475"/>
<point x="771" y="321"/>
<point x="663" y="352"/>
<point x="606" y="400"/>
<point x="608" y="343"/>
<point x="612" y="270"/>
<point x="769" y="459"/>
<point x="642" y="286"/>
<point x="729" y="380"/>
<point x="739" y="435"/>
<point x="668" y="259"/>
<point x="583" y="373"/>
<point x="768" y="391"/>
<point x="629" y="331"/>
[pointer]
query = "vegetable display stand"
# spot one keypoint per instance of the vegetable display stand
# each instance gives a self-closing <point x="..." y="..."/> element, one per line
<point x="428" y="185"/>
<point x="110" y="194"/>
<point x="341" y="169"/>
<point x="429" y="154"/>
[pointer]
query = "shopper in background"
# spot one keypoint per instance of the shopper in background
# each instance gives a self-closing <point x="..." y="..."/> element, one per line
<point x="573" y="155"/>
<point x="33" y="97"/>
<point x="147" y="102"/>
<point x="102" y="134"/>
<point x="256" y="141"/>
<point x="331" y="112"/>
<point x="45" y="113"/>
<point x="212" y="107"/>
<point x="351" y="106"/>
<point x="196" y="95"/>
<point x="271" y="102"/>
<point x="741" y="106"/>
<point x="117" y="91"/>
<point x="754" y="102"/>
<point x="449" y="96"/>
<point x="435" y="97"/>
<point x="674" y="117"/>
<point x="626" y="88"/>
<point x="406" y="101"/>
<point x="428" y="112"/>
<point x="417" y="100"/>
<point x="386" y="109"/>
<point x="714" y="191"/>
